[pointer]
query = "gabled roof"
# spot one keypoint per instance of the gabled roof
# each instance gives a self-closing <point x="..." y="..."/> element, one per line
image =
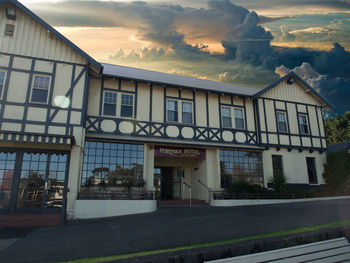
<point x="176" y="80"/>
<point x="339" y="146"/>
<point x="294" y="75"/>
<point x="93" y="62"/>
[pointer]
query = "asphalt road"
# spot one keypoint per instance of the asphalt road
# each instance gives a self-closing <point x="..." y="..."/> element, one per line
<point x="168" y="227"/>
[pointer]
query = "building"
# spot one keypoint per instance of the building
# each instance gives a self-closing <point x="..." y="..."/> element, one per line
<point x="84" y="139"/>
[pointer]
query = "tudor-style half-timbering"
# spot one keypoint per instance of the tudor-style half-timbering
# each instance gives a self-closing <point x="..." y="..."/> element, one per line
<point x="290" y="115"/>
<point x="122" y="106"/>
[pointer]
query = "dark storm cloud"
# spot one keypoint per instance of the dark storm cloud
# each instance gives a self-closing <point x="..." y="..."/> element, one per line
<point x="248" y="58"/>
<point x="335" y="90"/>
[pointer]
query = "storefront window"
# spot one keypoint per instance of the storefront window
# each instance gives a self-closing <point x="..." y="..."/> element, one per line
<point x="240" y="166"/>
<point x="107" y="165"/>
<point x="7" y="164"/>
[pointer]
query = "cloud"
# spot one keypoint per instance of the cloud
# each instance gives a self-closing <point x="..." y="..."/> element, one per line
<point x="178" y="38"/>
<point x="335" y="90"/>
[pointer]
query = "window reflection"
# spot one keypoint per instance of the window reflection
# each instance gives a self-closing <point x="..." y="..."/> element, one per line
<point x="107" y="165"/>
<point x="7" y="163"/>
<point x="240" y="166"/>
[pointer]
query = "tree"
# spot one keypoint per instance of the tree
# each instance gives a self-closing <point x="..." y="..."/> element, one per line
<point x="338" y="129"/>
<point x="337" y="171"/>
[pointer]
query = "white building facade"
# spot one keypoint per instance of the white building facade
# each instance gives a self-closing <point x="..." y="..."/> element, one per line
<point x="82" y="139"/>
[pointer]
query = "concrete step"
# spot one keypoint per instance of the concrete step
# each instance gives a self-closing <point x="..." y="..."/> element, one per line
<point x="15" y="220"/>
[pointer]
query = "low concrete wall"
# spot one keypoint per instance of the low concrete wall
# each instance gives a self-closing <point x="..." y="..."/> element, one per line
<point x="244" y="202"/>
<point x="85" y="209"/>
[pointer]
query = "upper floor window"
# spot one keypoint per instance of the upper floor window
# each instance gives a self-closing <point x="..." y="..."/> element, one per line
<point x="112" y="100"/>
<point x="281" y="121"/>
<point x="40" y="90"/>
<point x="186" y="112"/>
<point x="2" y="82"/>
<point x="226" y="117"/>
<point x="303" y="124"/>
<point x="227" y="114"/>
<point x="179" y="111"/>
<point x="127" y="105"/>
<point x="110" y="103"/>
<point x="239" y="120"/>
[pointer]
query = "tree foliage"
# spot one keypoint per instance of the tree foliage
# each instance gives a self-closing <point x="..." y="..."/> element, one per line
<point x="338" y="129"/>
<point x="337" y="171"/>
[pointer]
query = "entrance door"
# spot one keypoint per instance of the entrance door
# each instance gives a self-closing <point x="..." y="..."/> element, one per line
<point x="33" y="182"/>
<point x="167" y="183"/>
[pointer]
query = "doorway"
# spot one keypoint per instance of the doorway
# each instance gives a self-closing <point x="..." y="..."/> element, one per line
<point x="167" y="183"/>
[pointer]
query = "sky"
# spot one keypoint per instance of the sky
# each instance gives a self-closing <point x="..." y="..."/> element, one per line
<point x="245" y="42"/>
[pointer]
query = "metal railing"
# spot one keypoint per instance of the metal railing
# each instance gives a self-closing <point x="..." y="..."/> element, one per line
<point x="189" y="187"/>
<point x="206" y="187"/>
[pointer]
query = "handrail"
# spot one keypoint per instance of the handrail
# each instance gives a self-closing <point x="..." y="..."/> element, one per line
<point x="206" y="187"/>
<point x="189" y="187"/>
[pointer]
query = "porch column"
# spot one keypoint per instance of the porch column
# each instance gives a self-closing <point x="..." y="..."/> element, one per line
<point x="148" y="167"/>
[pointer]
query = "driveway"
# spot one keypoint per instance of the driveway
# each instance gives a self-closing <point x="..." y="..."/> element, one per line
<point x="168" y="227"/>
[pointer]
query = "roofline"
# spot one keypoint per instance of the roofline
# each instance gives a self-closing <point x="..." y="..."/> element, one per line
<point x="292" y="74"/>
<point x="178" y="86"/>
<point x="55" y="32"/>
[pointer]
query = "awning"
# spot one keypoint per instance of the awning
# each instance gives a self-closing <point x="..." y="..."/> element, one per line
<point x="36" y="138"/>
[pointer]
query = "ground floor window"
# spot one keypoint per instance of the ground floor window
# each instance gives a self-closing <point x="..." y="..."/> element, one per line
<point x="32" y="180"/>
<point x="109" y="164"/>
<point x="311" y="170"/>
<point x="277" y="166"/>
<point x="240" y="166"/>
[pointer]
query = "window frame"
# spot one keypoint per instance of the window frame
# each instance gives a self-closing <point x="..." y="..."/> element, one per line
<point x="233" y="117"/>
<point x="312" y="178"/>
<point x="285" y="121"/>
<point x="126" y="105"/>
<point x="103" y="105"/>
<point x="180" y="111"/>
<point x="33" y="89"/>
<point x="3" y="84"/>
<point x="279" y="158"/>
<point x="302" y="125"/>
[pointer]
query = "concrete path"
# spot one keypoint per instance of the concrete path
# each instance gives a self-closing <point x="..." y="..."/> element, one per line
<point x="168" y="227"/>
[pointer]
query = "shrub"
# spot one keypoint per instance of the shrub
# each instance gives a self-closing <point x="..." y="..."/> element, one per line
<point x="279" y="183"/>
<point x="243" y="187"/>
<point x="337" y="171"/>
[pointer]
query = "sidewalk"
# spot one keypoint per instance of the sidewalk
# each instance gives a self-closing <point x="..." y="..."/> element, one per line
<point x="169" y="227"/>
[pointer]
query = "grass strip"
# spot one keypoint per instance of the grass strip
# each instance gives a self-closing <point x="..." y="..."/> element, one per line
<point x="211" y="244"/>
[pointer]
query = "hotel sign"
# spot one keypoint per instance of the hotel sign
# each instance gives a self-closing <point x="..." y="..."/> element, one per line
<point x="178" y="152"/>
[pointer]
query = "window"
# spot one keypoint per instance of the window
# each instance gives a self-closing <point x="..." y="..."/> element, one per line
<point x="40" y="89"/>
<point x="237" y="113"/>
<point x="172" y="111"/>
<point x="186" y="112"/>
<point x="127" y="105"/>
<point x="110" y="103"/>
<point x="311" y="170"/>
<point x="277" y="167"/>
<point x="2" y="82"/>
<point x="9" y="30"/>
<point x="109" y="164"/>
<point x="238" y="166"/>
<point x="281" y="121"/>
<point x="239" y="121"/>
<point x="7" y="164"/>
<point x="226" y="117"/>
<point x="303" y="125"/>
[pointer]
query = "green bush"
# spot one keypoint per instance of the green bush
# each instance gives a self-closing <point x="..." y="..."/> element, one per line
<point x="243" y="187"/>
<point x="337" y="171"/>
<point x="279" y="183"/>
